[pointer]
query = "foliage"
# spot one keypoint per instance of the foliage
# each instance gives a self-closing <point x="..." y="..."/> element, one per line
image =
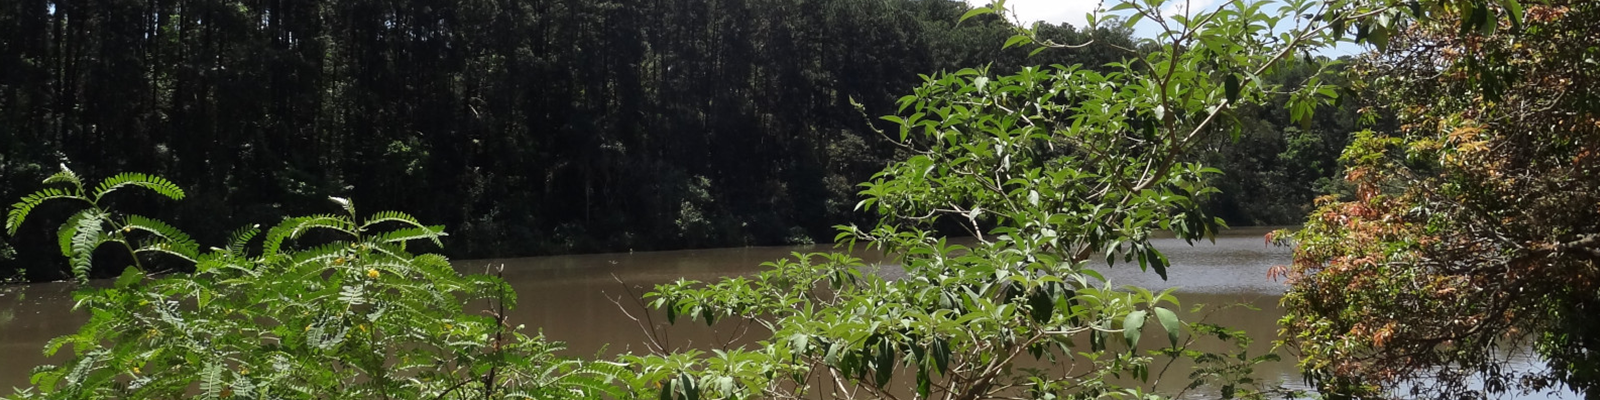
<point x="332" y="306"/>
<point x="545" y="144"/>
<point x="1471" y="232"/>
<point x="95" y="225"/>
<point x="1045" y="168"/>
<point x="1275" y="167"/>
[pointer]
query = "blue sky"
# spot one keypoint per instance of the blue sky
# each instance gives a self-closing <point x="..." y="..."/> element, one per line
<point x="1073" y="11"/>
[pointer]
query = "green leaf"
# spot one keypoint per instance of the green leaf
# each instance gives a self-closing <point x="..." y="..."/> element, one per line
<point x="292" y="228"/>
<point x="1158" y="261"/>
<point x="20" y="210"/>
<point x="1514" y="12"/>
<point x="1231" y="88"/>
<point x="432" y="233"/>
<point x="1132" y="327"/>
<point x="173" y="241"/>
<point x="1472" y="19"/>
<point x="941" y="355"/>
<point x="211" y="384"/>
<point x="86" y="238"/>
<point x="154" y="183"/>
<point x="1169" y="322"/>
<point x="242" y="236"/>
<point x="690" y="390"/>
<point x="1488" y="23"/>
<point x="129" y="277"/>
<point x="1379" y="37"/>
<point x="1017" y="40"/>
<point x="884" y="364"/>
<point x="390" y="216"/>
<point x="65" y="176"/>
<point x="346" y="204"/>
<point x="69" y="229"/>
<point x="976" y="12"/>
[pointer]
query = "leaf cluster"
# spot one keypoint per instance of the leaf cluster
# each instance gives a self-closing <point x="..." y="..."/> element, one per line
<point x="354" y="315"/>
<point x="1046" y="169"/>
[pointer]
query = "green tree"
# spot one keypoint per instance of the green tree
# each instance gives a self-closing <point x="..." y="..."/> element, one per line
<point x="1470" y="233"/>
<point x="1045" y="168"/>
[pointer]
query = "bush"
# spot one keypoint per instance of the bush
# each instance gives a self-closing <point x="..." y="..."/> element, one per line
<point x="352" y="314"/>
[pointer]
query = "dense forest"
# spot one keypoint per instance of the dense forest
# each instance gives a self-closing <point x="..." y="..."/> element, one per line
<point x="1449" y="245"/>
<point x="531" y="127"/>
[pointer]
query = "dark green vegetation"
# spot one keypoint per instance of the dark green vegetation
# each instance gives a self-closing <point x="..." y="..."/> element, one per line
<point x="1463" y="230"/>
<point x="529" y="127"/>
<point x="329" y="306"/>
<point x="1045" y="167"/>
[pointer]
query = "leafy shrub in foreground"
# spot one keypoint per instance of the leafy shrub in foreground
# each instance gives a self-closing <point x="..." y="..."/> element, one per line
<point x="355" y="317"/>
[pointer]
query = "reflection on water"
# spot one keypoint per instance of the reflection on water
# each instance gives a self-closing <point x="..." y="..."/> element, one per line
<point x="575" y="299"/>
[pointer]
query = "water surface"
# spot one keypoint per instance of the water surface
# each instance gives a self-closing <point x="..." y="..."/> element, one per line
<point x="579" y="299"/>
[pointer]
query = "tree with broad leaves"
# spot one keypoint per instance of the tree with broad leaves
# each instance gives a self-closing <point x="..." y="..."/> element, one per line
<point x="1471" y="237"/>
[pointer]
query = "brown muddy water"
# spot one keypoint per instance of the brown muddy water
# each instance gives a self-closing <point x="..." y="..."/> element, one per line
<point x="576" y="298"/>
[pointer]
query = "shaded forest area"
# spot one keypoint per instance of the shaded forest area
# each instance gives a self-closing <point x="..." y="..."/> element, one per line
<point x="527" y="127"/>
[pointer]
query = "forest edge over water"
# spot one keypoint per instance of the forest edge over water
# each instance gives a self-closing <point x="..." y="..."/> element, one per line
<point x="1456" y="180"/>
<point x="541" y="127"/>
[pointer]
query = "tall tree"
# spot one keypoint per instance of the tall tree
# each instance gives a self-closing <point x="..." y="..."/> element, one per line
<point x="1471" y="233"/>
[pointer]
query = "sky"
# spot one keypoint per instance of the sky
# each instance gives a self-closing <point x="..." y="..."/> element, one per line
<point x="1073" y="11"/>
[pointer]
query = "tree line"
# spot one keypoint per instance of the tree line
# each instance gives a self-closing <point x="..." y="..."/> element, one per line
<point x="527" y="127"/>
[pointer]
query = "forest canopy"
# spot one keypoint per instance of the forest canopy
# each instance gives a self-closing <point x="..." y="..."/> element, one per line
<point x="1048" y="168"/>
<point x="533" y="127"/>
<point x="1463" y="228"/>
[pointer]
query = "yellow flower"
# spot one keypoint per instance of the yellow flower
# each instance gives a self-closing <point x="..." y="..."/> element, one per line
<point x="135" y="370"/>
<point x="362" y="327"/>
<point x="372" y="273"/>
<point x="338" y="261"/>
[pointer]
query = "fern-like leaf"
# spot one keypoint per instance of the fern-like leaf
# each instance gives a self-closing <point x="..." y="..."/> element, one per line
<point x="434" y="264"/>
<point x="169" y="248"/>
<point x="86" y="365"/>
<point x="432" y="233"/>
<point x="44" y="376"/>
<point x="66" y="176"/>
<point x="174" y="241"/>
<point x="211" y="384"/>
<point x="238" y="239"/>
<point x="598" y="378"/>
<point x="391" y="216"/>
<point x="326" y="333"/>
<point x="156" y="184"/>
<point x="20" y="210"/>
<point x="396" y="251"/>
<point x="69" y="229"/>
<point x="89" y="235"/>
<point x="326" y="253"/>
<point x="292" y="228"/>
<point x="349" y="206"/>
